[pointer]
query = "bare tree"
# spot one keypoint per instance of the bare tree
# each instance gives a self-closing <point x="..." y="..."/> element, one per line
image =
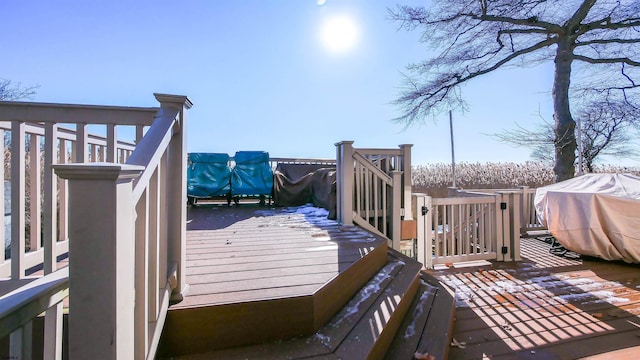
<point x="606" y="129"/>
<point x="598" y="39"/>
<point x="10" y="91"/>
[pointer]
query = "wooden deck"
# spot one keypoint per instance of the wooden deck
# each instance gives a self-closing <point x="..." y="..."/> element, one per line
<point x="250" y="253"/>
<point x="545" y="307"/>
<point x="273" y="270"/>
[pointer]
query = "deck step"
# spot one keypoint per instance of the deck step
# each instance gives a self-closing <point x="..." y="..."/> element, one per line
<point x="380" y="311"/>
<point x="282" y="310"/>
<point x="428" y="328"/>
<point x="363" y="329"/>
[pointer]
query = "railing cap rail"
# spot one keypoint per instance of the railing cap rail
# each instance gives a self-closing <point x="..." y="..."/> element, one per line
<point x="25" y="111"/>
<point x="98" y="171"/>
<point x="26" y="302"/>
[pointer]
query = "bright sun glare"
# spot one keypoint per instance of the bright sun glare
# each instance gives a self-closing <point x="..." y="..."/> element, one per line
<point x="339" y="33"/>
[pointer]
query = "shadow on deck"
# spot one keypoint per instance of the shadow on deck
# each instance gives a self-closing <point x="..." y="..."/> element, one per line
<point x="289" y="283"/>
<point x="546" y="307"/>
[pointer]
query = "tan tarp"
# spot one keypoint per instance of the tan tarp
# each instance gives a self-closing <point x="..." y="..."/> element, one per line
<point x="594" y="214"/>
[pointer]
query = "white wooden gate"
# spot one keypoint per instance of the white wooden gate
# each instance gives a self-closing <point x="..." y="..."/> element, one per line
<point x="470" y="228"/>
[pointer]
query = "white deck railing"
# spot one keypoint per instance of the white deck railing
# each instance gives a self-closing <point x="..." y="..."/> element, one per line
<point x="371" y="188"/>
<point x="42" y="135"/>
<point x="529" y="220"/>
<point x="119" y="210"/>
<point x="20" y="307"/>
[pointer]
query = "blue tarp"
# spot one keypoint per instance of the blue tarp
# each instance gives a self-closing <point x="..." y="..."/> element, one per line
<point x="208" y="175"/>
<point x="252" y="174"/>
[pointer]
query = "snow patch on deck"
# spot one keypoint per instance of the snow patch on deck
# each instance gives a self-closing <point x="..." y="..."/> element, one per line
<point x="549" y="288"/>
<point x="419" y="310"/>
<point x="370" y="289"/>
<point x="313" y="219"/>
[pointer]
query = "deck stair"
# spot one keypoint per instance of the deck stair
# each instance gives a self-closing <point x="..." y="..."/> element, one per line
<point x="398" y="312"/>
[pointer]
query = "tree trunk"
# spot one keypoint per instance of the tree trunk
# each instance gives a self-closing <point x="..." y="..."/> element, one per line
<point x="565" y="139"/>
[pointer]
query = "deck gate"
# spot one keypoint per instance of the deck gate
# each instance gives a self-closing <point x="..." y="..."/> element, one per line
<point x="467" y="228"/>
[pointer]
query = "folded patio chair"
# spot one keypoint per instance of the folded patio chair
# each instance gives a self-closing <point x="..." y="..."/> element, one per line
<point x="251" y="176"/>
<point x="208" y="177"/>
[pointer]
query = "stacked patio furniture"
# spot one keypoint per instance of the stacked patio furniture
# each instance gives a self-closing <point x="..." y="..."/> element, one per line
<point x="208" y="177"/>
<point x="252" y="176"/>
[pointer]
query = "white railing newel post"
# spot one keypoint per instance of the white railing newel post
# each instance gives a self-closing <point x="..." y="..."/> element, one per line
<point x="525" y="210"/>
<point x="344" y="181"/>
<point x="102" y="259"/>
<point x="516" y="224"/>
<point x="406" y="176"/>
<point x="424" y="238"/>
<point x="177" y="190"/>
<point x="395" y="209"/>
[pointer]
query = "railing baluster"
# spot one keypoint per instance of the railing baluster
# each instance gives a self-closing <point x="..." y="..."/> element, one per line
<point x="163" y="251"/>
<point x="436" y="226"/>
<point x="63" y="195"/>
<point x="395" y="209"/>
<point x="17" y="199"/>
<point x="50" y="231"/>
<point x="2" y="201"/>
<point x="142" y="277"/>
<point x="139" y="133"/>
<point x="154" y="246"/>
<point x="81" y="143"/>
<point x="112" y="143"/>
<point x="35" y="207"/>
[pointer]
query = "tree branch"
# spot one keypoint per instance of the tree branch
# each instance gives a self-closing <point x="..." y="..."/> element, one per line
<point x="606" y="60"/>
<point x="530" y="22"/>
<point x="607" y="41"/>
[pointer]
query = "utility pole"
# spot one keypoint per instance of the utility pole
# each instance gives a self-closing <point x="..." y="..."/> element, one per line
<point x="453" y="156"/>
<point x="579" y="147"/>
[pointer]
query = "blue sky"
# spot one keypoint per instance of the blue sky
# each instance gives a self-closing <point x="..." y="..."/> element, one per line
<point x="258" y="74"/>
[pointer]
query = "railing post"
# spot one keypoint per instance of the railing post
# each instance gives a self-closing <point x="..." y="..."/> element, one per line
<point x="525" y="210"/>
<point x="102" y="259"/>
<point x="344" y="183"/>
<point x="500" y="226"/>
<point x="177" y="191"/>
<point x="510" y="205"/>
<point x="424" y="230"/>
<point x="395" y="209"/>
<point x="516" y="224"/>
<point x="406" y="180"/>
